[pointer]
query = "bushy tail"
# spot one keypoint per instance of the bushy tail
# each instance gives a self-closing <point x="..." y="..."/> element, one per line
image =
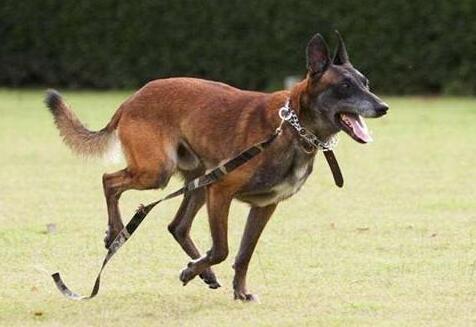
<point x="75" y="134"/>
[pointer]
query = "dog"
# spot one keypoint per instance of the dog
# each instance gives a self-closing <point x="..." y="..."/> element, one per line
<point x="189" y="125"/>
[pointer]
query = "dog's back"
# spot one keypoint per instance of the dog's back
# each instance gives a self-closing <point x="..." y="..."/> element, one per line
<point x="212" y="118"/>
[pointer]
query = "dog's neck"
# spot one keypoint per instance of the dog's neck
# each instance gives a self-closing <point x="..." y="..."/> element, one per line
<point x="313" y="120"/>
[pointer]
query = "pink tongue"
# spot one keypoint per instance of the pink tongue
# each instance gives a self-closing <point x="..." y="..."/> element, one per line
<point x="358" y="127"/>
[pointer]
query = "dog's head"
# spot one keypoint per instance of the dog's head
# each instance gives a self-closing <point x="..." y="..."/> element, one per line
<point x="337" y="94"/>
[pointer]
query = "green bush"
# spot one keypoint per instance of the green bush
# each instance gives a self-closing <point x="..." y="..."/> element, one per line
<point x="414" y="46"/>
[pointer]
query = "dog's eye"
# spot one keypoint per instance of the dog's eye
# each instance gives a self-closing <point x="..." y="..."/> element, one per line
<point x="345" y="85"/>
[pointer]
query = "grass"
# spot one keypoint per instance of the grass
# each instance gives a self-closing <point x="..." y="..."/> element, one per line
<point x="396" y="246"/>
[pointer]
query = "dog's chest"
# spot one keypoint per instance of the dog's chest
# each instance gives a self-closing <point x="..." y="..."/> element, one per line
<point x="279" y="179"/>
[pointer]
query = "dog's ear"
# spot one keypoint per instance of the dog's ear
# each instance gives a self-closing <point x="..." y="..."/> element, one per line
<point x="317" y="54"/>
<point x="340" y="57"/>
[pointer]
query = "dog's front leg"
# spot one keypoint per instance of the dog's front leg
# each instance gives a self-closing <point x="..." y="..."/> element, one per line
<point x="257" y="219"/>
<point x="218" y="205"/>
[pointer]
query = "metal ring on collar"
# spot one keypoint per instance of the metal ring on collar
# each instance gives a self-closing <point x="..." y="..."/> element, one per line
<point x="284" y="113"/>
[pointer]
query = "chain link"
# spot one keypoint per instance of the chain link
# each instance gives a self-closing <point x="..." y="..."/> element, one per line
<point x="287" y="114"/>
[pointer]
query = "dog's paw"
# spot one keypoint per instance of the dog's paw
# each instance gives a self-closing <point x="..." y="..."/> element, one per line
<point x="110" y="236"/>
<point x="187" y="274"/>
<point x="208" y="276"/>
<point x="246" y="297"/>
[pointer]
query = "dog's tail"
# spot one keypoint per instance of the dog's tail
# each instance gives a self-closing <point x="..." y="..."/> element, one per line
<point x="80" y="139"/>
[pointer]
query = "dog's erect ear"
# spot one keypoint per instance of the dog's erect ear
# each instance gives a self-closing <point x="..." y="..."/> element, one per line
<point x="341" y="57"/>
<point x="317" y="54"/>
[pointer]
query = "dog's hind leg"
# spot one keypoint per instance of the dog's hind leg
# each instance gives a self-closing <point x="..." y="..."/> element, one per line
<point x="218" y="205"/>
<point x="180" y="229"/>
<point x="257" y="219"/>
<point x="112" y="191"/>
<point x="116" y="183"/>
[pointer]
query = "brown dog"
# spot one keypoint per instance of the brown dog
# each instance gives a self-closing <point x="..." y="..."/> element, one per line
<point x="189" y="125"/>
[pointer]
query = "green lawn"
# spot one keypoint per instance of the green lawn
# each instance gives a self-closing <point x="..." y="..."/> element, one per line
<point x="396" y="246"/>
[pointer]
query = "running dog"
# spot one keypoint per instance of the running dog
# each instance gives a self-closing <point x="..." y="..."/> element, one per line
<point x="188" y="125"/>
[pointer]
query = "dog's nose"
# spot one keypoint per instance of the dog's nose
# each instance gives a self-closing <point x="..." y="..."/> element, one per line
<point x="381" y="109"/>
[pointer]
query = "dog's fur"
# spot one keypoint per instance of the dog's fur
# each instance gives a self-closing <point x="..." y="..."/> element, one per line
<point x="189" y="125"/>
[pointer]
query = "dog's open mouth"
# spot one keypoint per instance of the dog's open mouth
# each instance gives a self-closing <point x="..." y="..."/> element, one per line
<point x="354" y="125"/>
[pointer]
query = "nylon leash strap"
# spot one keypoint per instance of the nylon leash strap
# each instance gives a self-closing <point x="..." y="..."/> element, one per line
<point x="142" y="212"/>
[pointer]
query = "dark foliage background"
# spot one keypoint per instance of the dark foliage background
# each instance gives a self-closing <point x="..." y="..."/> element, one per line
<point x="416" y="46"/>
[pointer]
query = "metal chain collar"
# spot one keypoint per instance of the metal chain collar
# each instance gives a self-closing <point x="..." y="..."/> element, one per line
<point x="286" y="113"/>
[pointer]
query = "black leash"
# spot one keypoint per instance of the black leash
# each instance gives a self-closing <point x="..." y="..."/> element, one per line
<point x="142" y="212"/>
<point x="202" y="181"/>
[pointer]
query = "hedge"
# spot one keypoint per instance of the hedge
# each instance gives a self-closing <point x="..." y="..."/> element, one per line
<point x="405" y="47"/>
